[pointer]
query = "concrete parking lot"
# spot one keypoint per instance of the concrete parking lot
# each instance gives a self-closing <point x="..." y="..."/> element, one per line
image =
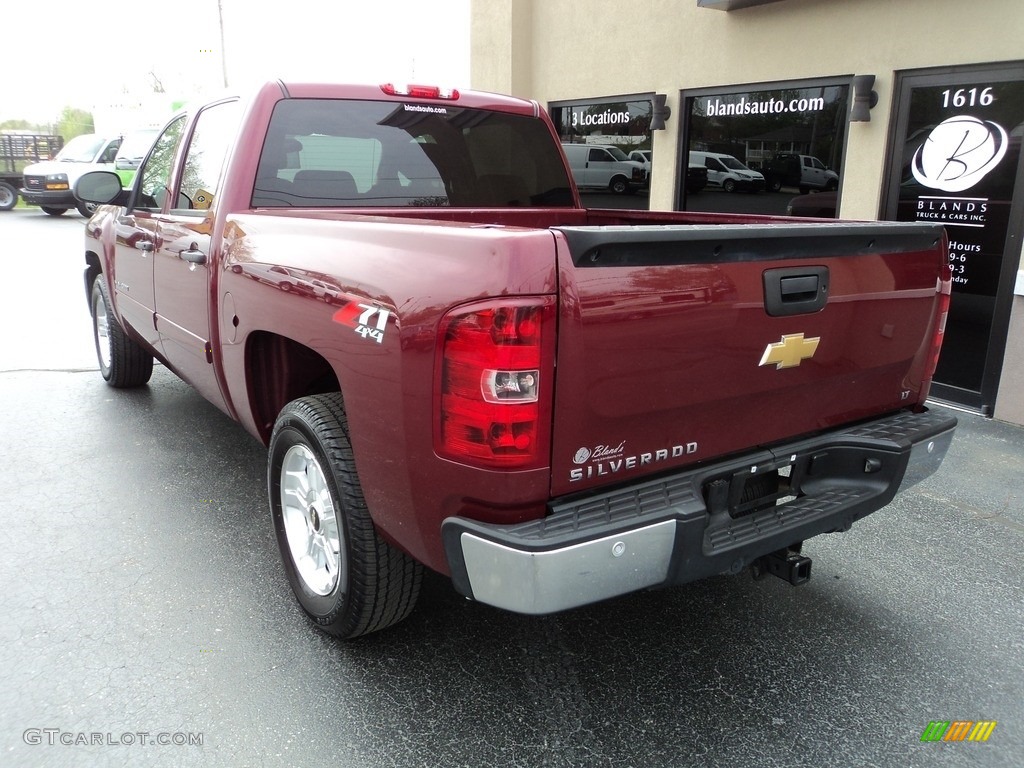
<point x="146" y="619"/>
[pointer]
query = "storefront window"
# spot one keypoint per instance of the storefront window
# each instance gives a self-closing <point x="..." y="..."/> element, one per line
<point x="775" y="151"/>
<point x="608" y="145"/>
<point x="955" y="161"/>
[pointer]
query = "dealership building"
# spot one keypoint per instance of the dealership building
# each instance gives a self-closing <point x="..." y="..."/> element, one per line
<point x="909" y="110"/>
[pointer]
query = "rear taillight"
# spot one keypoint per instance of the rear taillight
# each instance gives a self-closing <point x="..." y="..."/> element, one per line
<point x="943" y="289"/>
<point x="493" y="385"/>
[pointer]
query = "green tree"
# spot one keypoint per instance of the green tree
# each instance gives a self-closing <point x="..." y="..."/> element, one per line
<point x="74" y="122"/>
<point x="16" y="125"/>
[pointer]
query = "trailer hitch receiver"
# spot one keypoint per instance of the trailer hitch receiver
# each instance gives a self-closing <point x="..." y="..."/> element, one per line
<point x="788" y="564"/>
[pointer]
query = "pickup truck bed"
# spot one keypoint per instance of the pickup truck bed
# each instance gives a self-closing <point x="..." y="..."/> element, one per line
<point x="455" y="365"/>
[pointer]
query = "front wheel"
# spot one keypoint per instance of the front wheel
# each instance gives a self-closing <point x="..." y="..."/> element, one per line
<point x="86" y="209"/>
<point x="8" y="196"/>
<point x="123" y="363"/>
<point x="619" y="186"/>
<point x="53" y="211"/>
<point x="729" y="185"/>
<point x="348" y="579"/>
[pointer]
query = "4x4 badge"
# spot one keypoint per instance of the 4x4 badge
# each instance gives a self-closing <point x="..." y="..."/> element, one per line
<point x="790" y="352"/>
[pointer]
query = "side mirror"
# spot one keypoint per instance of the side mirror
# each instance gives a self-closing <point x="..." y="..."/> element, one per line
<point x="99" y="187"/>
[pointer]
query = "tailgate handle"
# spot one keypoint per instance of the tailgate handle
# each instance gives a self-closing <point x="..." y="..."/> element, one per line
<point x="795" y="290"/>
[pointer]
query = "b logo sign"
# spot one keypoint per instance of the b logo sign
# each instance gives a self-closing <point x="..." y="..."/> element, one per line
<point x="958" y="153"/>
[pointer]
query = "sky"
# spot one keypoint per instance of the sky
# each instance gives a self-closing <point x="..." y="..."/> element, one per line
<point x="108" y="57"/>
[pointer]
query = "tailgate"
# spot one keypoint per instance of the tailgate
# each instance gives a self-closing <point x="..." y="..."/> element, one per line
<point x="682" y="343"/>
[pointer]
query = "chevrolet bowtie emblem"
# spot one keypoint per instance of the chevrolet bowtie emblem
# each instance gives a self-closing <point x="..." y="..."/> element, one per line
<point x="790" y="352"/>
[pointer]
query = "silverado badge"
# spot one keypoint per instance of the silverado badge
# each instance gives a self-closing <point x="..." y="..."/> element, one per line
<point x="791" y="351"/>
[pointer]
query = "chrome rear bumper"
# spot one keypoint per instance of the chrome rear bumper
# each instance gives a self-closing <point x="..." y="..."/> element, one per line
<point x="674" y="529"/>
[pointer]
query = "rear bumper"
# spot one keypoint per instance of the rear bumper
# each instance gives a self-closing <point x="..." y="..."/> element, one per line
<point x="678" y="528"/>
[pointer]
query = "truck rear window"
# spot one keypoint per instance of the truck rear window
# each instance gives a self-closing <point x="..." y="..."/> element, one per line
<point x="346" y="153"/>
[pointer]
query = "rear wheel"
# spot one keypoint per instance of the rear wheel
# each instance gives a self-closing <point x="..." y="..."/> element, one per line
<point x="53" y="211"/>
<point x="8" y="196"/>
<point x="123" y="363"/>
<point x="347" y="579"/>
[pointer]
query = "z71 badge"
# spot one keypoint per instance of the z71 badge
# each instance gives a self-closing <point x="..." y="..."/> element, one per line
<point x="368" y="320"/>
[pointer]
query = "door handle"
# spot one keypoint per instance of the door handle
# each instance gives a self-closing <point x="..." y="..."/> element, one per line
<point x="193" y="255"/>
<point x="795" y="290"/>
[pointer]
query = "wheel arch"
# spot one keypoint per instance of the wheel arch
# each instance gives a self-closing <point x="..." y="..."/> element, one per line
<point x="279" y="370"/>
<point x="618" y="178"/>
<point x="92" y="268"/>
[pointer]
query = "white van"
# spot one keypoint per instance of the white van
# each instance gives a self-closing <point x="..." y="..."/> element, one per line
<point x="604" y="167"/>
<point x="50" y="184"/>
<point x="727" y="172"/>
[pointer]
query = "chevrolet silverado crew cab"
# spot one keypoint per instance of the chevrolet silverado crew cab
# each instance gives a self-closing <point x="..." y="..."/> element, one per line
<point x="456" y="366"/>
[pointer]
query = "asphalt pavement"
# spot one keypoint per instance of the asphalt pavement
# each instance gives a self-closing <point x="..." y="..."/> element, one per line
<point x="147" y="621"/>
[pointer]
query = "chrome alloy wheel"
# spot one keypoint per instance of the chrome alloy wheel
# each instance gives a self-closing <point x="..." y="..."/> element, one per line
<point x="99" y="312"/>
<point x="310" y="521"/>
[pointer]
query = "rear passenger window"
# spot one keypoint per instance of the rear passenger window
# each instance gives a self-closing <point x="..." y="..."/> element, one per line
<point x="204" y="163"/>
<point x="345" y="153"/>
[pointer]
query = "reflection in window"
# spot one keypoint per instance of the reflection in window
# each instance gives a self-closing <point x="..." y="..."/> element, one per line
<point x="211" y="138"/>
<point x="331" y="153"/>
<point x="156" y="173"/>
<point x="794" y="137"/>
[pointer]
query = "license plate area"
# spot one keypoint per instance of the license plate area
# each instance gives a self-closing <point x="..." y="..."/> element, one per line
<point x="755" y="488"/>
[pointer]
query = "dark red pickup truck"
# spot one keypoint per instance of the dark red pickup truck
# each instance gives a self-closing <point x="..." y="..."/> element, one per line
<point x="456" y="366"/>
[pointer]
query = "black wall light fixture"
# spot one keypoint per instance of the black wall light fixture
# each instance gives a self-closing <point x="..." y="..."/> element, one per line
<point x="863" y="99"/>
<point x="660" y="112"/>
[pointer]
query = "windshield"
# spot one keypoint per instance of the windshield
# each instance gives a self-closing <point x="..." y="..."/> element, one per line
<point x="81" y="149"/>
<point x="136" y="145"/>
<point x="346" y="153"/>
<point x="617" y="153"/>
<point x="731" y="162"/>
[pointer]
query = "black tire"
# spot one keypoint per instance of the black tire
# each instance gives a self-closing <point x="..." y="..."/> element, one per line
<point x="311" y="462"/>
<point x="619" y="185"/>
<point x="774" y="185"/>
<point x="53" y="211"/>
<point x="729" y="185"/>
<point x="86" y="209"/>
<point x="123" y="363"/>
<point x="8" y="196"/>
<point x="831" y="185"/>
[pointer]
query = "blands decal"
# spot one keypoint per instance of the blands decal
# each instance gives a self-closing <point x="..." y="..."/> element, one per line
<point x="602" y="460"/>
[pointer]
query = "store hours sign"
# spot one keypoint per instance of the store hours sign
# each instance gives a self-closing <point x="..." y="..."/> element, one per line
<point x="962" y="166"/>
<point x="957" y="166"/>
